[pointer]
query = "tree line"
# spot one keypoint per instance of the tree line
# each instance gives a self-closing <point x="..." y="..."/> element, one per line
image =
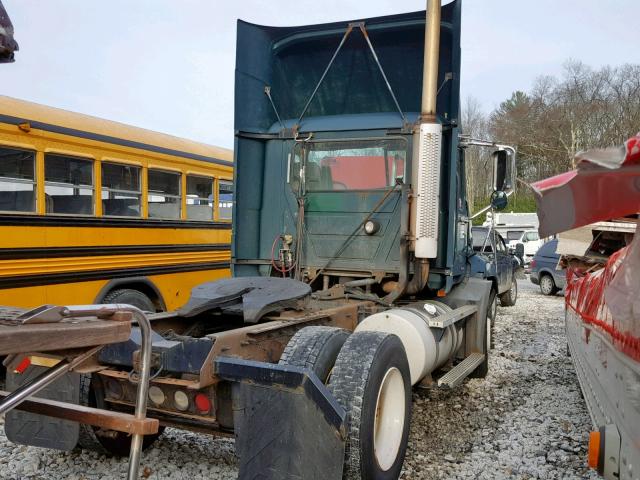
<point x="583" y="108"/>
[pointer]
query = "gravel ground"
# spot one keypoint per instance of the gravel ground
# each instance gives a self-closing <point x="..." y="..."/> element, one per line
<point x="526" y="420"/>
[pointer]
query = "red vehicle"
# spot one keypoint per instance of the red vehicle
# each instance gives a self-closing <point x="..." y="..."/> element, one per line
<point x="602" y="314"/>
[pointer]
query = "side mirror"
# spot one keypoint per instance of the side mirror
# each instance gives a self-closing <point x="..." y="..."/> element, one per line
<point x="504" y="163"/>
<point x="499" y="200"/>
<point x="520" y="250"/>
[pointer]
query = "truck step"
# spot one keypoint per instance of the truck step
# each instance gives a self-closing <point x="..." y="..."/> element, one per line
<point x="443" y="321"/>
<point x="461" y="371"/>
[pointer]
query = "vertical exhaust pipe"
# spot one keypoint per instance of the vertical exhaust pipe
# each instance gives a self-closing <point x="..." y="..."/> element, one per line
<point x="431" y="59"/>
<point x="427" y="145"/>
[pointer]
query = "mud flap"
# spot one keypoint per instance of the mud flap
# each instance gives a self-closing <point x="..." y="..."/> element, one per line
<point x="287" y="424"/>
<point x="39" y="430"/>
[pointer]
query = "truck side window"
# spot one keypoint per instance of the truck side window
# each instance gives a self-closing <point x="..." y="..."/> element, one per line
<point x="514" y="235"/>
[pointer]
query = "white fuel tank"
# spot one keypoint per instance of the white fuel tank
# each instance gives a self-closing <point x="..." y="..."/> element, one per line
<point x="427" y="349"/>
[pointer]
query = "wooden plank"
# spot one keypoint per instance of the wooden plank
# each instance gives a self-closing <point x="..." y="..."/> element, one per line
<point x="122" y="422"/>
<point x="48" y="337"/>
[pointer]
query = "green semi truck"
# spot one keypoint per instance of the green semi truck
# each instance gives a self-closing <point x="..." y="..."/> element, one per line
<point x="351" y="247"/>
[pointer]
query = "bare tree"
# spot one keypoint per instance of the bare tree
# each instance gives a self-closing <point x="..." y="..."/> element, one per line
<point x="559" y="117"/>
<point x="586" y="108"/>
<point x="474" y="124"/>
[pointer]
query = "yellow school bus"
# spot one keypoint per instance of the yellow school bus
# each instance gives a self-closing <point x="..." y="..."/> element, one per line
<point x="94" y="211"/>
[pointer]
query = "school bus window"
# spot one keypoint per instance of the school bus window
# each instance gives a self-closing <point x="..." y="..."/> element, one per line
<point x="120" y="190"/>
<point x="164" y="194"/>
<point x="68" y="185"/>
<point x="17" y="180"/>
<point x="225" y="199"/>
<point x="199" y="198"/>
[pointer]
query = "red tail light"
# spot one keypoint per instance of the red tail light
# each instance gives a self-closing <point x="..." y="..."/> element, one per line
<point x="532" y="263"/>
<point x="203" y="404"/>
<point x="23" y="365"/>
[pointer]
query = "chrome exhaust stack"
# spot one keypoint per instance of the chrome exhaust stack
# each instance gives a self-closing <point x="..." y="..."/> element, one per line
<point x="431" y="59"/>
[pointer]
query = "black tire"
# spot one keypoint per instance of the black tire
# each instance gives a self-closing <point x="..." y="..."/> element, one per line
<point x="492" y="308"/>
<point x="371" y="364"/>
<point x="483" y="369"/>
<point x="548" y="285"/>
<point x="315" y="348"/>
<point x="492" y="313"/>
<point x="107" y="442"/>
<point x="130" y="297"/>
<point x="508" y="298"/>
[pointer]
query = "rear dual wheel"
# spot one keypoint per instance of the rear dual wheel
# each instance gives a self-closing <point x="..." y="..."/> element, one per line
<point x="315" y="348"/>
<point x="368" y="374"/>
<point x="371" y="381"/>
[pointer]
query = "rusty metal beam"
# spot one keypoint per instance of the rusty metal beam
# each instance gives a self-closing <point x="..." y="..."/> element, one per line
<point x="121" y="422"/>
<point x="67" y="334"/>
<point x="265" y="342"/>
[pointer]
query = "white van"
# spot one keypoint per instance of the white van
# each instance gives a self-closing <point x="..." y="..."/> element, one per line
<point x="531" y="241"/>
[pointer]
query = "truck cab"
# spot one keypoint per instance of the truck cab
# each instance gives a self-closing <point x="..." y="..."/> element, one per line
<point x="326" y="153"/>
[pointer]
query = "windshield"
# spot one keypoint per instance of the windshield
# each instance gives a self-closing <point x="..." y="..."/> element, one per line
<point x="348" y="165"/>
<point x="531" y="236"/>
<point x="514" y="235"/>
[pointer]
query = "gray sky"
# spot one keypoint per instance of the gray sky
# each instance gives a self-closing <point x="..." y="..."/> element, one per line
<point x="168" y="65"/>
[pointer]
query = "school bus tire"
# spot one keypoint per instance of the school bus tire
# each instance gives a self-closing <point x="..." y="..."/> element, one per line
<point x="130" y="297"/>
